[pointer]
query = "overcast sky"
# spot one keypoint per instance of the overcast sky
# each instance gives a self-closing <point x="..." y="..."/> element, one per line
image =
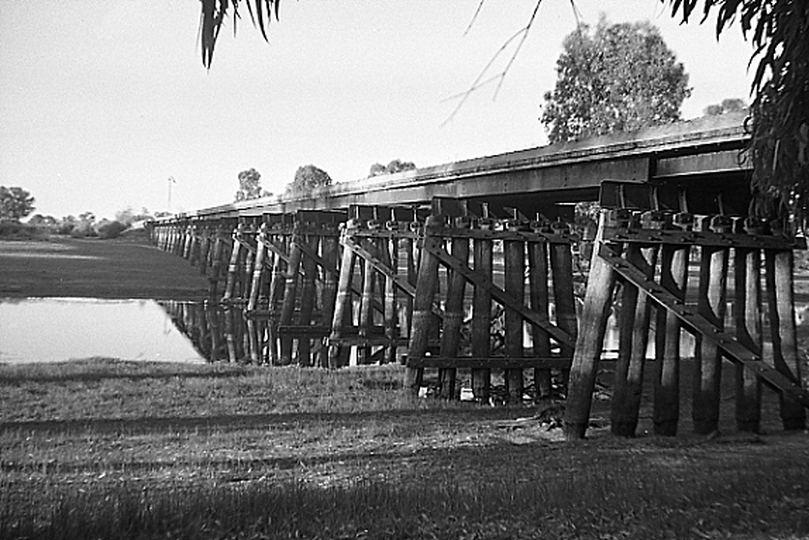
<point x="102" y="102"/>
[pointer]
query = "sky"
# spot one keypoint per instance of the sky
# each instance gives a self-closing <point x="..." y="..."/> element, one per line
<point x="102" y="103"/>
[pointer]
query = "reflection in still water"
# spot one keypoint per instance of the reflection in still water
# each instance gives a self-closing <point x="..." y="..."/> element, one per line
<point x="221" y="333"/>
<point x="58" y="329"/>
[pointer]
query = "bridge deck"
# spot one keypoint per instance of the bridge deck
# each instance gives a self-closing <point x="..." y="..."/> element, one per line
<point x="539" y="179"/>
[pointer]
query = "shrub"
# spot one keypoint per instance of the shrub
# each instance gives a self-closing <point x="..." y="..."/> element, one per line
<point x="111" y="229"/>
<point x="14" y="230"/>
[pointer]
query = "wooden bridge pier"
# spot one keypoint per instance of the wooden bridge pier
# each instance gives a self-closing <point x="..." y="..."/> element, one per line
<point x="635" y="231"/>
<point x="290" y="285"/>
<point x="455" y="229"/>
<point x="370" y="315"/>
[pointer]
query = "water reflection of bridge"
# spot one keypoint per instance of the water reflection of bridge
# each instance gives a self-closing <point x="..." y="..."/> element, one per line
<point x="468" y="270"/>
<point x="220" y="332"/>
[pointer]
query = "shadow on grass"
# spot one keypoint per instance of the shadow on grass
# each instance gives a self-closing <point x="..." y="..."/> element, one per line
<point x="96" y="377"/>
<point x="243" y="469"/>
<point x="235" y="422"/>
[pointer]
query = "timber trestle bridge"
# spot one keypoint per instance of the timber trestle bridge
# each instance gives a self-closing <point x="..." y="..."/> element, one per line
<point x="479" y="274"/>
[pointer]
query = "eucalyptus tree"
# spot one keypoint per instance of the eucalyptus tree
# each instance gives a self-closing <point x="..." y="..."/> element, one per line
<point x="620" y="77"/>
<point x="250" y="186"/>
<point x="307" y="178"/>
<point x="15" y="203"/>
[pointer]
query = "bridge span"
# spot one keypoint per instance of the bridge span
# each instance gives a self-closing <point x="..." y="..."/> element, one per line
<point x="706" y="152"/>
<point x="476" y="276"/>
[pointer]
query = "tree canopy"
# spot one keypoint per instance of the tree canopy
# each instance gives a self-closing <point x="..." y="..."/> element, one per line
<point x="250" y="186"/>
<point x="728" y="105"/>
<point x="397" y="165"/>
<point x="307" y="178"/>
<point x="620" y="77"/>
<point x="15" y="203"/>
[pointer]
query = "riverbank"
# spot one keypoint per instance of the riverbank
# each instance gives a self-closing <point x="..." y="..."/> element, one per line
<point x="124" y="267"/>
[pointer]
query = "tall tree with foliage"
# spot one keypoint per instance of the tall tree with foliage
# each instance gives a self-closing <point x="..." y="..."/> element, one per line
<point x="250" y="186"/>
<point x="621" y="77"/>
<point x="15" y="203"/>
<point x="307" y="178"/>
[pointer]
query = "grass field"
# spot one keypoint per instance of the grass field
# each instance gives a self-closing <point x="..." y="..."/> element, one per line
<point x="125" y="267"/>
<point x="101" y="448"/>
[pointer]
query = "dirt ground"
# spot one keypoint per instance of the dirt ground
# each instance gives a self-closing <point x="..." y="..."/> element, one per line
<point x="126" y="267"/>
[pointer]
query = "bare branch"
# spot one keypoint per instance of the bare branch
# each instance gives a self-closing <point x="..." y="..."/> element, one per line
<point x="479" y="82"/>
<point x="474" y="17"/>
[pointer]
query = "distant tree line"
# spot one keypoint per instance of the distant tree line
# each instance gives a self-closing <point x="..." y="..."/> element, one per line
<point x="16" y="204"/>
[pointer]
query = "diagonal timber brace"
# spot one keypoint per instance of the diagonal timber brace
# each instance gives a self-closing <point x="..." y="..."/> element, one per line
<point x="385" y="270"/>
<point x="433" y="245"/>
<point x="724" y="340"/>
<point x="380" y="266"/>
<point x="309" y="252"/>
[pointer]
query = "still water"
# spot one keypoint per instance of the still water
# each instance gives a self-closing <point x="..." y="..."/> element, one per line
<point x="58" y="329"/>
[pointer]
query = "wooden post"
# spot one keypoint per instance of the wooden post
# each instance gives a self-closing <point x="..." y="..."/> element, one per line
<point x="780" y="297"/>
<point x="422" y="329"/>
<point x="233" y="266"/>
<point x="330" y="252"/>
<point x="747" y="317"/>
<point x="711" y="304"/>
<point x="308" y="301"/>
<point x="254" y="341"/>
<point x="216" y="262"/>
<point x="277" y="286"/>
<point x="673" y="278"/>
<point x="453" y="313"/>
<point x="204" y="250"/>
<point x="562" y="269"/>
<point x="589" y="342"/>
<point x="246" y="271"/>
<point x="481" y="315"/>
<point x="290" y="297"/>
<point x="390" y="255"/>
<point x="412" y="275"/>
<point x="342" y="307"/>
<point x="538" y="278"/>
<point x="634" y="326"/>
<point x="189" y="241"/>
<point x="258" y="269"/>
<point x="366" y="321"/>
<point x="193" y="255"/>
<point x="514" y="258"/>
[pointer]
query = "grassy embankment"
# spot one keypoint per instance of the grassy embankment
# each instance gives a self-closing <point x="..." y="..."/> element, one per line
<point x="106" y="449"/>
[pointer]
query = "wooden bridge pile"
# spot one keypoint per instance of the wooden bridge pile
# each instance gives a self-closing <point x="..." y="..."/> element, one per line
<point x="468" y="294"/>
